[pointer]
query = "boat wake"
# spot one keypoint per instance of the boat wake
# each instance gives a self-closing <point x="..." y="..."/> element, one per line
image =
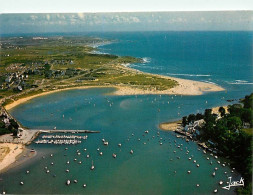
<point x="190" y="75"/>
<point x="146" y="60"/>
<point x="240" y="82"/>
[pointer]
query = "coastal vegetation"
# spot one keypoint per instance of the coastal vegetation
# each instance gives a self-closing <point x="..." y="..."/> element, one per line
<point x="229" y="134"/>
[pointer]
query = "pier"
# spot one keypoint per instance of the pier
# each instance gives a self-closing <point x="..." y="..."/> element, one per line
<point x="65" y="131"/>
<point x="26" y="136"/>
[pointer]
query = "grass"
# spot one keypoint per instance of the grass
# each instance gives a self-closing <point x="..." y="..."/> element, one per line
<point x="249" y="131"/>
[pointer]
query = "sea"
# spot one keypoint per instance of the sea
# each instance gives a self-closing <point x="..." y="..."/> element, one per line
<point x="160" y="162"/>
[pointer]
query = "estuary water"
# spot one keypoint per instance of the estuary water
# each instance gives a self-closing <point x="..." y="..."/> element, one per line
<point x="220" y="57"/>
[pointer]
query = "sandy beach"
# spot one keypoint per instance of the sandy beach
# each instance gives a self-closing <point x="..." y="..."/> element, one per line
<point x="8" y="154"/>
<point x="171" y="126"/>
<point x="185" y="87"/>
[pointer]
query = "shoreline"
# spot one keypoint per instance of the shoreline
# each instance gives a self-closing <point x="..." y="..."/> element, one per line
<point x="184" y="87"/>
<point x="10" y="157"/>
<point x="175" y="125"/>
<point x="170" y="126"/>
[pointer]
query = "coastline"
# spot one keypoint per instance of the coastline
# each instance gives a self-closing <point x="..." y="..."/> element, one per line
<point x="184" y="87"/>
<point x="10" y="157"/>
<point x="175" y="125"/>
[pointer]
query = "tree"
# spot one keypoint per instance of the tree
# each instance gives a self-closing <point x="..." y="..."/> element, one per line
<point x="235" y="109"/>
<point x="14" y="124"/>
<point x="222" y="111"/>
<point x="184" y="121"/>
<point x="234" y="123"/>
<point x="248" y="101"/>
<point x="199" y="116"/>
<point x="191" y="118"/>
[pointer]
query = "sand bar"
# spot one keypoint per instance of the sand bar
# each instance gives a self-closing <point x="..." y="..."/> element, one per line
<point x="185" y="87"/>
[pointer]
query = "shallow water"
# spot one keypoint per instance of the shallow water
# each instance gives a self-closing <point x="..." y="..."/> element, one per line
<point x="151" y="169"/>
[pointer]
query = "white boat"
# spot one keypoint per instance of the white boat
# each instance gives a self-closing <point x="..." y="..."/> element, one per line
<point x="114" y="155"/>
<point x="101" y="153"/>
<point x="75" y="181"/>
<point x="84" y="185"/>
<point x="21" y="183"/>
<point x="92" y="166"/>
<point x="213" y="174"/>
<point x="68" y="182"/>
<point x="119" y="144"/>
<point x="131" y="151"/>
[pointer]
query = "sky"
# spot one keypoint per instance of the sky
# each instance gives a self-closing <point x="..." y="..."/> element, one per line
<point x="43" y="16"/>
<point x="70" y="6"/>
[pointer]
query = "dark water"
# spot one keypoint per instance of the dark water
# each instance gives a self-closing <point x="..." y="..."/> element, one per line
<point x="222" y="58"/>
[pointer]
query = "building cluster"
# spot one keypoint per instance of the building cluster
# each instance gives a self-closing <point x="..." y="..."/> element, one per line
<point x="5" y="119"/>
<point x="15" y="80"/>
<point x="194" y="128"/>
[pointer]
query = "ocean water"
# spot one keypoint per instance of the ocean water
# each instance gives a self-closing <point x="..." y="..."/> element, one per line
<point x="219" y="57"/>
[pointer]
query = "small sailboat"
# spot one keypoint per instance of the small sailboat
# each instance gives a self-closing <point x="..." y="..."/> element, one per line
<point x="101" y="153"/>
<point x="119" y="144"/>
<point x="114" y="155"/>
<point x="131" y="151"/>
<point x="21" y="183"/>
<point x="106" y="143"/>
<point x="213" y="174"/>
<point x="84" y="185"/>
<point x="92" y="166"/>
<point x="75" y="181"/>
